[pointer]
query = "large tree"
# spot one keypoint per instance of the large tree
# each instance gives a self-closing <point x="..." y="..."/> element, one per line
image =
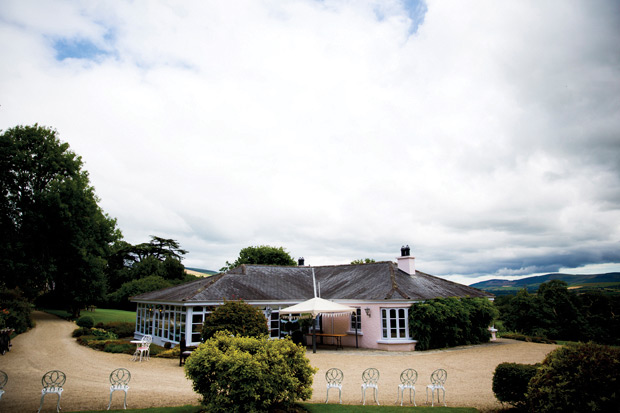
<point x="160" y="257"/>
<point x="55" y="238"/>
<point x="263" y="254"/>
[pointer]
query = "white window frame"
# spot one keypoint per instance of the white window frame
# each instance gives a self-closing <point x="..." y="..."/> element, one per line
<point x="396" y="324"/>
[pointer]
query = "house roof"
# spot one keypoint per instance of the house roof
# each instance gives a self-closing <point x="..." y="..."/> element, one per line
<point x="366" y="282"/>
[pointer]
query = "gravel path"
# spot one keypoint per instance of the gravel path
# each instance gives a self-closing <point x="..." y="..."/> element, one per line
<point x="161" y="382"/>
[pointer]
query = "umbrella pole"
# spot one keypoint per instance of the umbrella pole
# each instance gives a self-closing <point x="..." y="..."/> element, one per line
<point x="314" y="335"/>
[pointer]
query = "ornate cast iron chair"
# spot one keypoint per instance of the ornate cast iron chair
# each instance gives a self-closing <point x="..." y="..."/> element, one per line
<point x="370" y="379"/>
<point x="438" y="379"/>
<point x="119" y="380"/>
<point x="334" y="378"/>
<point x="407" y="381"/>
<point x="143" y="348"/>
<point x="3" y="379"/>
<point x="52" y="382"/>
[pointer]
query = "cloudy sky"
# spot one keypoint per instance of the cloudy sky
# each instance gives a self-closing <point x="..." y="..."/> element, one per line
<point x="484" y="134"/>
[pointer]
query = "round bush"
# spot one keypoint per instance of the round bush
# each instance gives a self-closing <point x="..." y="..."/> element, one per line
<point x="510" y="382"/>
<point x="85" y="321"/>
<point x="236" y="317"/>
<point x="248" y="374"/>
<point x="79" y="332"/>
<point x="577" y="378"/>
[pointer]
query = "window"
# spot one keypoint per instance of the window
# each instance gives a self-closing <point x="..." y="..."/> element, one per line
<point x="394" y="322"/>
<point x="198" y="317"/>
<point x="274" y="324"/>
<point x="356" y="320"/>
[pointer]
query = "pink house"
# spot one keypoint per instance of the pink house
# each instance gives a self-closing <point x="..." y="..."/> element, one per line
<point x="381" y="292"/>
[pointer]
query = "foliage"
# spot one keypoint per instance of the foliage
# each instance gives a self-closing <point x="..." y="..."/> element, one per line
<point x="120" y="328"/>
<point x="79" y="332"/>
<point x="103" y="334"/>
<point x="234" y="374"/>
<point x="236" y="317"/>
<point x="363" y="261"/>
<point x="129" y="263"/>
<point x="120" y="298"/>
<point x="510" y="382"/>
<point x="577" y="378"/>
<point x="557" y="313"/>
<point x="529" y="339"/>
<point x="108" y="342"/>
<point x="462" y="321"/>
<point x="160" y="257"/>
<point x="54" y="236"/>
<point x="15" y="311"/>
<point x="263" y="254"/>
<point x="85" y="321"/>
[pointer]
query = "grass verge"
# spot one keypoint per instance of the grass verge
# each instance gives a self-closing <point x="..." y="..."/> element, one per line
<point x="315" y="408"/>
<point x="100" y="315"/>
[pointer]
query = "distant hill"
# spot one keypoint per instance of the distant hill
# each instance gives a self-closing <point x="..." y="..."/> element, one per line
<point x="199" y="271"/>
<point x="609" y="282"/>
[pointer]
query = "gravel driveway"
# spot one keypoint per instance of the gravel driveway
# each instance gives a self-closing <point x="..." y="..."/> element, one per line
<point x="161" y="382"/>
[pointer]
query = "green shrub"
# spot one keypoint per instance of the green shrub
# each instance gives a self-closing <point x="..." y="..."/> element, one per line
<point x="15" y="311"/>
<point x="237" y="318"/>
<point x="170" y="353"/>
<point x="463" y="321"/>
<point x="85" y="339"/>
<point x="97" y="344"/>
<point x="248" y="374"/>
<point x="510" y="382"/>
<point x="86" y="321"/>
<point x="577" y="378"/>
<point x="529" y="339"/>
<point x="120" y="328"/>
<point x="119" y="346"/>
<point x="79" y="332"/>
<point x="103" y="334"/>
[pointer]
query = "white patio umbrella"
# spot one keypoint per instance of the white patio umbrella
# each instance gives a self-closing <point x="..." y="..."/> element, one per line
<point x="318" y="306"/>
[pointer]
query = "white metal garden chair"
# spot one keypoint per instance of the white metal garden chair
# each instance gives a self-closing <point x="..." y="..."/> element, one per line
<point x="3" y="379"/>
<point x="52" y="382"/>
<point x="119" y="381"/>
<point x="143" y="348"/>
<point x="334" y="378"/>
<point x="407" y="381"/>
<point x="438" y="379"/>
<point x="370" y="380"/>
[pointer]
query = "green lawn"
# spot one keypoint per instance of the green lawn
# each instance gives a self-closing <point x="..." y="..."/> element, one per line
<point x="101" y="315"/>
<point x="316" y="408"/>
<point x="353" y="408"/>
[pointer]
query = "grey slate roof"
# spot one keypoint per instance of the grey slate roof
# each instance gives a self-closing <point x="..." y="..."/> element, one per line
<point x="366" y="282"/>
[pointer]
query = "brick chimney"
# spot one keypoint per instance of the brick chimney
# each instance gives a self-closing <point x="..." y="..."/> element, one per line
<point x="300" y="261"/>
<point x="406" y="262"/>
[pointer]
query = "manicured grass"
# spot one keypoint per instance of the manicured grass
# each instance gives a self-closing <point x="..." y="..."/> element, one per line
<point x="353" y="408"/>
<point x="180" y="409"/>
<point x="100" y="315"/>
<point x="316" y="408"/>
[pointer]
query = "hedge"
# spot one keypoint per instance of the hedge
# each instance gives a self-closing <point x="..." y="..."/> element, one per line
<point x="510" y="381"/>
<point x="249" y="374"/>
<point x="577" y="378"/>
<point x="449" y="322"/>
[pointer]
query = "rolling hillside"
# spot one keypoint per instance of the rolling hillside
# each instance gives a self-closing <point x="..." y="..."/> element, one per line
<point x="609" y="282"/>
<point x="199" y="272"/>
